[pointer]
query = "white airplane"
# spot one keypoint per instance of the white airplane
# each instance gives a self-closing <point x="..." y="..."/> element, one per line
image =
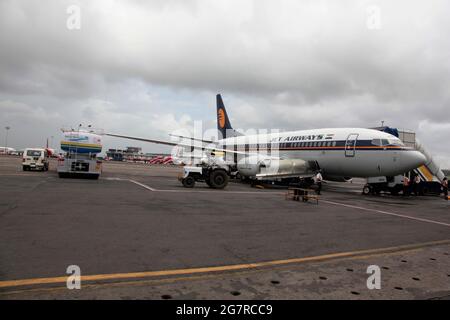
<point x="337" y="152"/>
<point x="7" y="150"/>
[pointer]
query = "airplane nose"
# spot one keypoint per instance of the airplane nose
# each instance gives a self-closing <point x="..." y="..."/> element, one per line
<point x="413" y="159"/>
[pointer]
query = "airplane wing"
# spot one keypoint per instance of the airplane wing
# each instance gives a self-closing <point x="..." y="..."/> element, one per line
<point x="169" y="143"/>
<point x="193" y="139"/>
<point x="180" y="144"/>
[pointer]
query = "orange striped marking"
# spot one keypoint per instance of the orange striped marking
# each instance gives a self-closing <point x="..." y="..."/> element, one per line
<point x="426" y="173"/>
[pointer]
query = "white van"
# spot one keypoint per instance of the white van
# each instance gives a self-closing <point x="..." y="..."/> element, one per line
<point x="35" y="158"/>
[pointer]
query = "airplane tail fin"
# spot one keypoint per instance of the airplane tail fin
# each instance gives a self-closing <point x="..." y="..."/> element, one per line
<point x="223" y="122"/>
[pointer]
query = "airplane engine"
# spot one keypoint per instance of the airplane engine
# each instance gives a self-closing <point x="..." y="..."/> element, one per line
<point x="266" y="166"/>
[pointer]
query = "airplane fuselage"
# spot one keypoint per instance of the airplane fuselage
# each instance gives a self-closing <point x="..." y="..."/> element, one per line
<point x="352" y="152"/>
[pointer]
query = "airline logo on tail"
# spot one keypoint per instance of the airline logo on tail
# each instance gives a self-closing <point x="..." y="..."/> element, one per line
<point x="221" y="118"/>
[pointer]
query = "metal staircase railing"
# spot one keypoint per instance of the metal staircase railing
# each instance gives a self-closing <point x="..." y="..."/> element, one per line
<point x="431" y="164"/>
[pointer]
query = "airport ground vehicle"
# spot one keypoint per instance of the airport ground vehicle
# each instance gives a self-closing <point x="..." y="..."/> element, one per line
<point x="394" y="185"/>
<point x="376" y="185"/>
<point x="79" y="165"/>
<point x="214" y="176"/>
<point x="35" y="158"/>
<point x="80" y="160"/>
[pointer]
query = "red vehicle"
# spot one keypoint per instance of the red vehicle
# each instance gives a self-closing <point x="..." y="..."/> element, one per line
<point x="168" y="160"/>
<point x="156" y="160"/>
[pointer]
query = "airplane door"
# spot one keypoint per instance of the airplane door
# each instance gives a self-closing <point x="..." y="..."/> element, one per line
<point x="350" y="144"/>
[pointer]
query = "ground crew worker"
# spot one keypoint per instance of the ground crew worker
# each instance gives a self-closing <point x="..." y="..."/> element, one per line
<point x="319" y="179"/>
<point x="445" y="188"/>
<point x="405" y="186"/>
<point x="416" y="185"/>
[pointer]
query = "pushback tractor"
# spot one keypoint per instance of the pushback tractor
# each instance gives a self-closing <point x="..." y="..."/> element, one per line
<point x="215" y="174"/>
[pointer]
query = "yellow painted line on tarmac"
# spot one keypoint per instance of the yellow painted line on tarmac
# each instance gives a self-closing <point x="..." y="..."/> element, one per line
<point x="199" y="277"/>
<point x="206" y="270"/>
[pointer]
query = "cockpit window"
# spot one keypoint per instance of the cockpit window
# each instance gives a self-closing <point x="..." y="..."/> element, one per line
<point x="387" y="142"/>
<point x="376" y="142"/>
<point x="395" y="142"/>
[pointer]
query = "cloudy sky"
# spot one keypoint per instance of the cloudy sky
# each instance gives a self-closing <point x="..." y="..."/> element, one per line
<point x="147" y="68"/>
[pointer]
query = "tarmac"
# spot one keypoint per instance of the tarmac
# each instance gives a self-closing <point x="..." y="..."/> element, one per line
<point x="136" y="233"/>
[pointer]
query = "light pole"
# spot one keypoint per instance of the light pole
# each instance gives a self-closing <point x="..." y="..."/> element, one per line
<point x="6" y="139"/>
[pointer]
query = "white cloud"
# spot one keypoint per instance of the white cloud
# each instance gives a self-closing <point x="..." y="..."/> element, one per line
<point x="143" y="67"/>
